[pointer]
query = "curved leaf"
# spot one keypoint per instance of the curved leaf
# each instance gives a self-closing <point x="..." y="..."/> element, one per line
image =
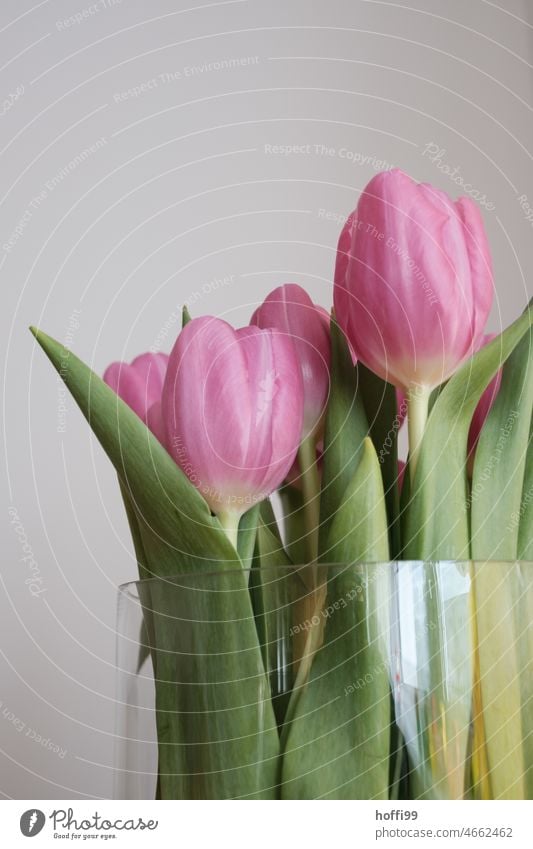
<point x="437" y="516"/>
<point x="338" y="742"/>
<point x="346" y="427"/>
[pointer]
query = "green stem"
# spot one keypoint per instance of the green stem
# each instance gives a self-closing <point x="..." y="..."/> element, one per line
<point x="230" y="525"/>
<point x="417" y="416"/>
<point x="311" y="495"/>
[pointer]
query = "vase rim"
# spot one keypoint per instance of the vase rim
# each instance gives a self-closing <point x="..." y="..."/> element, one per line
<point x="127" y="586"/>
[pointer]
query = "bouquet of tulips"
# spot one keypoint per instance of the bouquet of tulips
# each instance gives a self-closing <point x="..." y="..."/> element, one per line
<point x="308" y="404"/>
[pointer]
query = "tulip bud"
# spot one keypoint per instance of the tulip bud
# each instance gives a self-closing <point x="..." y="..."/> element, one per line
<point x="413" y="285"/>
<point x="413" y="280"/>
<point x="139" y="384"/>
<point x="232" y="408"/>
<point x="290" y="310"/>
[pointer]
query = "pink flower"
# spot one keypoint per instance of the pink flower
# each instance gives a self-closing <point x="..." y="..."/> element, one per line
<point x="139" y="384"/>
<point x="485" y="402"/>
<point x="290" y="310"/>
<point x="413" y="280"/>
<point x="232" y="409"/>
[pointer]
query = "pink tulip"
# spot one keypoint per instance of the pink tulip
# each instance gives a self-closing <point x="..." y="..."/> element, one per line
<point x="485" y="403"/>
<point x="413" y="287"/>
<point x="139" y="384"/>
<point x="232" y="409"/>
<point x="290" y="310"/>
<point x="413" y="280"/>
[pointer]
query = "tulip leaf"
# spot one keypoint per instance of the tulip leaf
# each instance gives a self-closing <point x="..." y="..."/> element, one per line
<point x="230" y="723"/>
<point x="501" y="459"/>
<point x="437" y="528"/>
<point x="157" y="488"/>
<point x="346" y="427"/>
<point x="142" y="561"/>
<point x="499" y="630"/>
<point x="497" y="492"/>
<point x="185" y="316"/>
<point x="525" y="515"/>
<point x="294" y="523"/>
<point x="278" y="595"/>
<point x="338" y="744"/>
<point x="382" y="414"/>
<point x="436" y="518"/>
<point x="215" y="724"/>
<point x="247" y="534"/>
<point x="133" y="522"/>
<point x="269" y="518"/>
<point x="359" y="529"/>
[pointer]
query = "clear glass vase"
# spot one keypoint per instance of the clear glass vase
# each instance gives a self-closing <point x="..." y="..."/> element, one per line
<point x="394" y="680"/>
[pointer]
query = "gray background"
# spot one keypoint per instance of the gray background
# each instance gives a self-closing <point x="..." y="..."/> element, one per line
<point x="178" y="197"/>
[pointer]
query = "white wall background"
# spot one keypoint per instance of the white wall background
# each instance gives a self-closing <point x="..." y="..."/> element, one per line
<point x="178" y="189"/>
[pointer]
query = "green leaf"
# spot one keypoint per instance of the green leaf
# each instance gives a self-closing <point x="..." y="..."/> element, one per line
<point x="294" y="523"/>
<point x="216" y="727"/>
<point x="500" y="461"/>
<point x="247" y="534"/>
<point x="185" y="316"/>
<point x="338" y="742"/>
<point x="215" y="724"/>
<point x="382" y="414"/>
<point x="436" y="518"/>
<point x="525" y="515"/>
<point x="160" y="493"/>
<point x="142" y="561"/>
<point x="278" y="594"/>
<point x="359" y="530"/>
<point x="346" y="427"/>
<point x="133" y="522"/>
<point x="437" y="528"/>
<point x="269" y="518"/>
<point x="503" y="614"/>
<point x="497" y="493"/>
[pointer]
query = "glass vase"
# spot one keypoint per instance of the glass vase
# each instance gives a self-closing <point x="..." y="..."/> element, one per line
<point x="360" y="681"/>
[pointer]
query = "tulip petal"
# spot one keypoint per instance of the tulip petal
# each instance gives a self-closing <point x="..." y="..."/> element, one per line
<point x="232" y="409"/>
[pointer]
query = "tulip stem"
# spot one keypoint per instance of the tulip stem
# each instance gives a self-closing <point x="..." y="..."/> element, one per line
<point x="230" y="525"/>
<point x="311" y="495"/>
<point x="417" y="416"/>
